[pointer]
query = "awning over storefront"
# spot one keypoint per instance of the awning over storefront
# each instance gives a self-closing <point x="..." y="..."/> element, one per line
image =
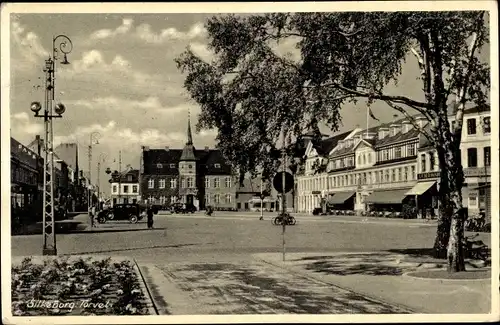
<point x="387" y="197"/>
<point x="341" y="197"/>
<point x="420" y="188"/>
<point x="479" y="187"/>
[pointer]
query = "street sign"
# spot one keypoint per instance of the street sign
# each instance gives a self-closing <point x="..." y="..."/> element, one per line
<point x="278" y="182"/>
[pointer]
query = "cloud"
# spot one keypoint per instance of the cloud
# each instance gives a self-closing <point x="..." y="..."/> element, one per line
<point x="21" y="124"/>
<point x="120" y="30"/>
<point x="202" y="51"/>
<point x="27" y="48"/>
<point x="145" y="33"/>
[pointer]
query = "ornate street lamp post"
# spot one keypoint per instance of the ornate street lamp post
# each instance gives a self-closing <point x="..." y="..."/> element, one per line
<point x="60" y="44"/>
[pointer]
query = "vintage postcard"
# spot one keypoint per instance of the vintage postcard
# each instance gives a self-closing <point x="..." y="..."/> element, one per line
<point x="250" y="162"/>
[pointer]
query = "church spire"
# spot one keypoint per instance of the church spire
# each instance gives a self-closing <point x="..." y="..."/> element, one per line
<point x="189" y="134"/>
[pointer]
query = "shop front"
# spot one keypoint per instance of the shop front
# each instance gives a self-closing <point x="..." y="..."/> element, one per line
<point x="387" y="201"/>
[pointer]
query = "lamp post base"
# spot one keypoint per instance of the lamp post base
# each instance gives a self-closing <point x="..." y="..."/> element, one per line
<point x="49" y="251"/>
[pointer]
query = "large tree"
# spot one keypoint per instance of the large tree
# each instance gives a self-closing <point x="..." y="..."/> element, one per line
<point x="252" y="94"/>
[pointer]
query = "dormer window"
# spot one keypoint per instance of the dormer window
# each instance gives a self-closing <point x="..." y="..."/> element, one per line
<point x="129" y="178"/>
<point x="172" y="165"/>
<point x="217" y="165"/>
<point x="159" y="166"/>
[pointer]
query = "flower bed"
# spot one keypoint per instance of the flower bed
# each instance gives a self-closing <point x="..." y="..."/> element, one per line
<point x="77" y="287"/>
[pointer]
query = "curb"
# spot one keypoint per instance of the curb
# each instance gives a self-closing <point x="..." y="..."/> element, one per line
<point x="152" y="308"/>
<point x="370" y="297"/>
<point x="408" y="275"/>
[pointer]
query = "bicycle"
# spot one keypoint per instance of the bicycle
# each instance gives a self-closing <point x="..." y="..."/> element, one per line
<point x="290" y="220"/>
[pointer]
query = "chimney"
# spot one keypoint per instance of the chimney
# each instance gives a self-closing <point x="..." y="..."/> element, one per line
<point x="406" y="126"/>
<point x="395" y="129"/>
<point x="207" y="148"/>
<point x="383" y="132"/>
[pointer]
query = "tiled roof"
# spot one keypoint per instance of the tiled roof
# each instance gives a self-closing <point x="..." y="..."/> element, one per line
<point x="328" y="144"/>
<point x="206" y="161"/>
<point x="124" y="176"/>
<point x="412" y="134"/>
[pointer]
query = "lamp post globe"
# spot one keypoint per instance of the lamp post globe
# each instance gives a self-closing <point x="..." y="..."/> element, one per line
<point x="35" y="107"/>
<point x="108" y="170"/>
<point x="60" y="109"/>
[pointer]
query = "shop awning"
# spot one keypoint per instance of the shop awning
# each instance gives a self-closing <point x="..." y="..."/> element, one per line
<point x="481" y="186"/>
<point x="387" y="197"/>
<point x="341" y="197"/>
<point x="420" y="188"/>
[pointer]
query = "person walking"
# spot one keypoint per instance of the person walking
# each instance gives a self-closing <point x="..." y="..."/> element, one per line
<point x="92" y="216"/>
<point x="150" y="217"/>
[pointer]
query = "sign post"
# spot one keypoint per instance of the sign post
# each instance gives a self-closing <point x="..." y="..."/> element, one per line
<point x="283" y="183"/>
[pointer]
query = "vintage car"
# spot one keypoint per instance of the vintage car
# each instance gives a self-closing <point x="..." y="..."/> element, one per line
<point x="132" y="212"/>
<point x="182" y="208"/>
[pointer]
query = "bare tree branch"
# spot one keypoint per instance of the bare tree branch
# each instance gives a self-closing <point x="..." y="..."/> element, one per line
<point x="411" y="119"/>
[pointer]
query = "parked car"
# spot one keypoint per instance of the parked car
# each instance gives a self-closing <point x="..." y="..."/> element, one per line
<point x="183" y="208"/>
<point x="128" y="211"/>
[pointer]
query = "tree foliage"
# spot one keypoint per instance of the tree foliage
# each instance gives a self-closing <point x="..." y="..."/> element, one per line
<point x="250" y="92"/>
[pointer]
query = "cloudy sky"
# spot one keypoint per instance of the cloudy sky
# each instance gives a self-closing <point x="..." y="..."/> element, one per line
<point x="123" y="83"/>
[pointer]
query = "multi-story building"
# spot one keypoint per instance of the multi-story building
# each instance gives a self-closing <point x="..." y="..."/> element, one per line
<point x="199" y="177"/>
<point x="475" y="154"/>
<point x="366" y="169"/>
<point x="26" y="191"/>
<point x="125" y="187"/>
<point x="390" y="165"/>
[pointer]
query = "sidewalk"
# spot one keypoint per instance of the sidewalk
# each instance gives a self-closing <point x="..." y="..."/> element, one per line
<point x="383" y="276"/>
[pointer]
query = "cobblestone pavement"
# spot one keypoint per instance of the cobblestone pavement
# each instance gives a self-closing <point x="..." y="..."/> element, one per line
<point x="259" y="288"/>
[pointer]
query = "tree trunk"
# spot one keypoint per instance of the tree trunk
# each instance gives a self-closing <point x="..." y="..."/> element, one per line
<point x="455" y="253"/>
<point x="450" y="232"/>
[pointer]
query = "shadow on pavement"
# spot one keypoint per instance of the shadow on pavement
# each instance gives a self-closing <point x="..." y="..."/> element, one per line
<point x="107" y="230"/>
<point x="133" y="249"/>
<point x="415" y="252"/>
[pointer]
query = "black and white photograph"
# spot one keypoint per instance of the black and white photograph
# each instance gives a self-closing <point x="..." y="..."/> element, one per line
<point x="250" y="162"/>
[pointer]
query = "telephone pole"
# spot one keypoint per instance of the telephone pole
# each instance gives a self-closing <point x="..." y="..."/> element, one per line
<point x="283" y="199"/>
<point x="119" y="176"/>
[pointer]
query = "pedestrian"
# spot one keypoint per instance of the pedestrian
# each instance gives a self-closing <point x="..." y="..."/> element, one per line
<point x="150" y="217"/>
<point x="93" y="215"/>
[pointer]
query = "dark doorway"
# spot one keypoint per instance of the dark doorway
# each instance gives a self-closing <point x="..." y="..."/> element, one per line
<point x="189" y="199"/>
<point x="246" y="206"/>
<point x="239" y="205"/>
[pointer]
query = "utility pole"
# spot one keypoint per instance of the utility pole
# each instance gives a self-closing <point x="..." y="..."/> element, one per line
<point x="261" y="200"/>
<point x="119" y="175"/>
<point x="283" y="199"/>
<point x="93" y="135"/>
<point x="61" y="44"/>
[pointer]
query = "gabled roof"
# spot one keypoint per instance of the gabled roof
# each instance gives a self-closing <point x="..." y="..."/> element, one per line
<point x="326" y="145"/>
<point x="210" y="162"/>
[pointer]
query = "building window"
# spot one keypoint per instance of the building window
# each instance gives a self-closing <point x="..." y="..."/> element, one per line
<point x="216" y="198"/>
<point x="472" y="199"/>
<point x="386" y="154"/>
<point x="115" y="189"/>
<point x="359" y="160"/>
<point x="228" y="198"/>
<point x="369" y="158"/>
<point x="151" y="183"/>
<point x="471" y="126"/>
<point x="173" y="183"/>
<point x="487" y="156"/>
<point x="399" y="174"/>
<point x="432" y="161"/>
<point x="217" y="165"/>
<point x="129" y="178"/>
<point x="393" y="176"/>
<point x="422" y="163"/>
<point x="190" y="166"/>
<point x="411" y="150"/>
<point x="413" y="173"/>
<point x="134" y="189"/>
<point x="472" y="157"/>
<point x="190" y="182"/>
<point x="397" y="152"/>
<point x="207" y="198"/>
<point x="405" y="175"/>
<point x="161" y="183"/>
<point x="125" y="189"/>
<point x="386" y="172"/>
<point x="216" y="182"/>
<point x="486" y="125"/>
<point x="207" y="182"/>
<point x="172" y="165"/>
<point x="228" y="181"/>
